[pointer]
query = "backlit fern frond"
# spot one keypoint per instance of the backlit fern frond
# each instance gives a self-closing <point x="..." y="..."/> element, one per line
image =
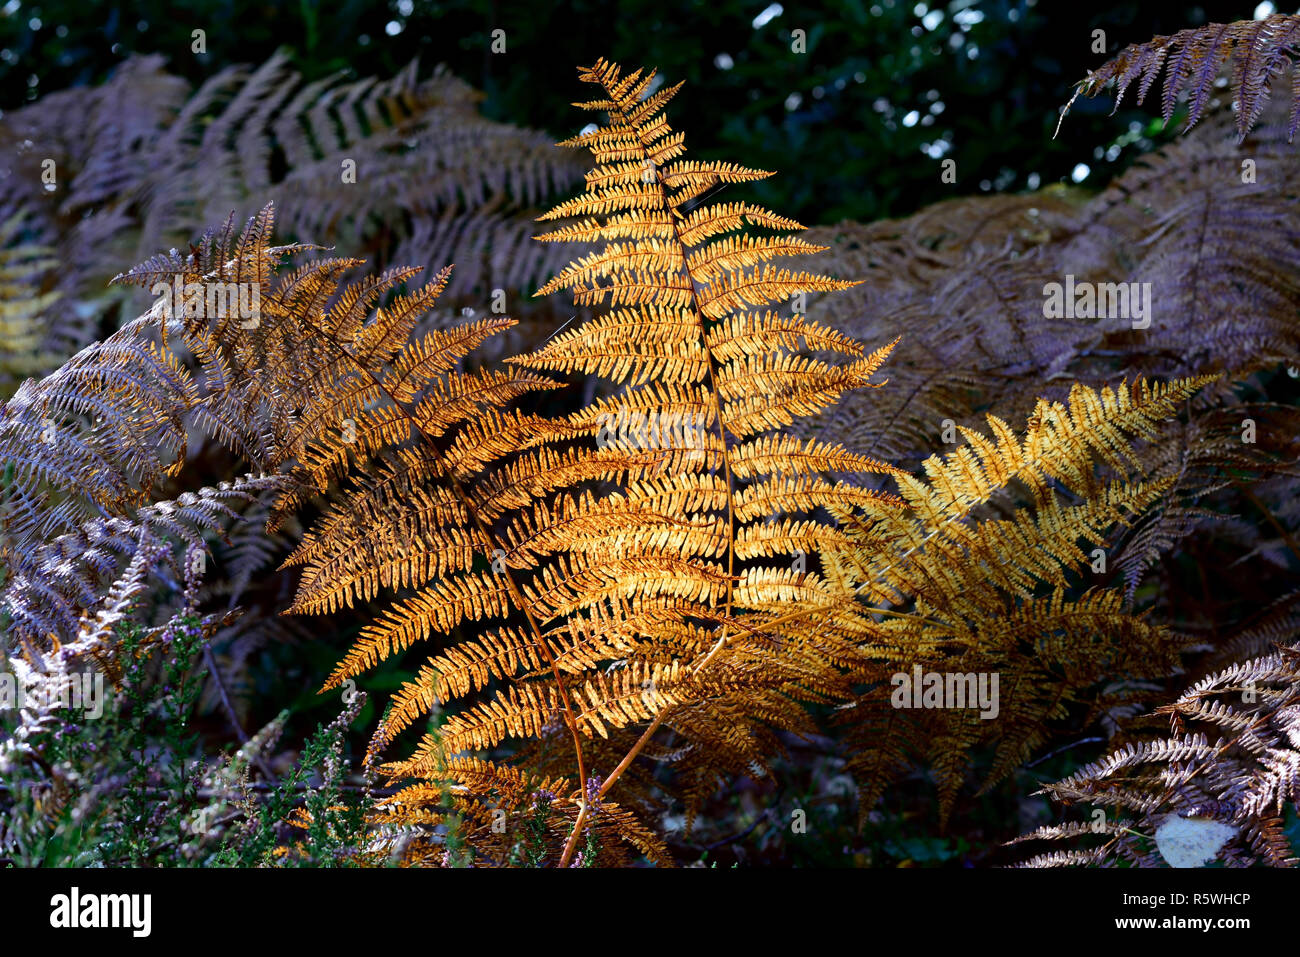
<point x="709" y="373"/>
<point x="988" y="596"/>
<point x="623" y="548"/>
<point x="669" y="559"/>
<point x="1256" y="50"/>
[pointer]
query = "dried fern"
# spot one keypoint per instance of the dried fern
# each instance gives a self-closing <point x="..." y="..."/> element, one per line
<point x="1233" y="757"/>
<point x="710" y="582"/>
<point x="994" y="596"/>
<point x="681" y="569"/>
<point x="1256" y="50"/>
<point x="963" y="283"/>
<point x="401" y="169"/>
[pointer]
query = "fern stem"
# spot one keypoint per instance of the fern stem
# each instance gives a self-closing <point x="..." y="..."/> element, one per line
<point x="572" y="842"/>
<point x="636" y="749"/>
<point x="726" y="469"/>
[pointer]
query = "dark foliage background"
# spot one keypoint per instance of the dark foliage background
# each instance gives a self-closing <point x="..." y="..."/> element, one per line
<point x="984" y="78"/>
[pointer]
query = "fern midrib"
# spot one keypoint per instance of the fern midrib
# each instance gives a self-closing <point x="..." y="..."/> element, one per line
<point x="683" y="249"/>
<point x="674" y="218"/>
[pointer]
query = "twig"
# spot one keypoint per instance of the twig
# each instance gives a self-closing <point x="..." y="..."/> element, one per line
<point x="1067" y="747"/>
<point x="210" y="659"/>
<point x="740" y="836"/>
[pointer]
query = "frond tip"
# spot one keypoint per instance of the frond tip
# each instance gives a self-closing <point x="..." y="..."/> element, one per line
<point x="1256" y="50"/>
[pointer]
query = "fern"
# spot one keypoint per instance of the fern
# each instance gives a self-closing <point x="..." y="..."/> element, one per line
<point x="97" y="435"/>
<point x="1232" y="757"/>
<point x="638" y="583"/>
<point x="645" y="573"/>
<point x="1256" y="50"/>
<point x="993" y="595"/>
<point x="963" y="283"/>
<point x="680" y="573"/>
<point x="401" y="169"/>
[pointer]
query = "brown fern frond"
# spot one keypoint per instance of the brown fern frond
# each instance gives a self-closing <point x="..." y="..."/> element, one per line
<point x="1256" y="50"/>
<point x="968" y="588"/>
<point x="400" y="170"/>
<point x="640" y="548"/>
<point x="1245" y="776"/>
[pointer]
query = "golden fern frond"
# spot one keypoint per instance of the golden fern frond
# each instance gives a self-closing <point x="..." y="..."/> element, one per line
<point x="1257" y="51"/>
<point x="708" y="369"/>
<point x="611" y="575"/>
<point x="668" y="558"/>
<point x="974" y="593"/>
<point x="1060" y="445"/>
